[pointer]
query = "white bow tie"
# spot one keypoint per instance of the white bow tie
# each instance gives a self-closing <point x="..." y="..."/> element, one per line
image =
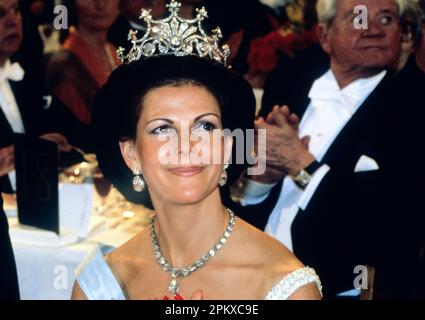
<point x="12" y="71"/>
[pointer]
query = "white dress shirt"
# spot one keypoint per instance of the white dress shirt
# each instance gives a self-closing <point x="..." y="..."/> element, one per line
<point x="8" y="102"/>
<point x="329" y="111"/>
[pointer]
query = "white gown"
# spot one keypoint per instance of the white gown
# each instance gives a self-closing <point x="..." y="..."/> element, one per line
<point x="97" y="281"/>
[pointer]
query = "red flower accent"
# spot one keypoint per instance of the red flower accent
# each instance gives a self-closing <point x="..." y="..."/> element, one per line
<point x="264" y="52"/>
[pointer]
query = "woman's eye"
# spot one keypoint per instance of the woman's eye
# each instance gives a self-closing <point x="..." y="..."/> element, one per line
<point x="205" y="125"/>
<point x="163" y="130"/>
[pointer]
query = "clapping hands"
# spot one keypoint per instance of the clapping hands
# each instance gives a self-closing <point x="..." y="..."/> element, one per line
<point x="283" y="151"/>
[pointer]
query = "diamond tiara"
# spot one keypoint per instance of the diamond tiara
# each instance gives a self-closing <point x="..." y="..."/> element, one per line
<point x="176" y="36"/>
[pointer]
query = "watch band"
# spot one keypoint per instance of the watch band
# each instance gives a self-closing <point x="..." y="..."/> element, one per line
<point x="303" y="178"/>
<point x="312" y="168"/>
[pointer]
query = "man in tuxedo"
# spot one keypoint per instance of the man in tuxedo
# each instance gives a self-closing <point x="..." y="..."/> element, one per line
<point x="9" y="289"/>
<point x="21" y="97"/>
<point x="333" y="190"/>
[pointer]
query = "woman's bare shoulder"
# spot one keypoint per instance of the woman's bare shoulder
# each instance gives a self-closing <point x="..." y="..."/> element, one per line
<point x="271" y="252"/>
<point x="126" y="259"/>
<point x="277" y="262"/>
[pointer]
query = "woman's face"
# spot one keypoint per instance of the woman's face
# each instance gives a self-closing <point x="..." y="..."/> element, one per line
<point x="179" y="147"/>
<point x="97" y="14"/>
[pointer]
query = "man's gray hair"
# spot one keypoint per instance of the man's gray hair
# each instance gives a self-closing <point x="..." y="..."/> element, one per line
<point x="326" y="9"/>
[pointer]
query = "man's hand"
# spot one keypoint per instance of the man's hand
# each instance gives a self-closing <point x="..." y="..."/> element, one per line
<point x="60" y="140"/>
<point x="291" y="118"/>
<point x="270" y="176"/>
<point x="284" y="150"/>
<point x="7" y="160"/>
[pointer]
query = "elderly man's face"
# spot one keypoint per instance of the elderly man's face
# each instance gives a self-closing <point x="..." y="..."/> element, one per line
<point x="10" y="27"/>
<point x="376" y="47"/>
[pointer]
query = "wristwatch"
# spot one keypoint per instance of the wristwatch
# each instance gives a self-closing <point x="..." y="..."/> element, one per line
<point x="303" y="178"/>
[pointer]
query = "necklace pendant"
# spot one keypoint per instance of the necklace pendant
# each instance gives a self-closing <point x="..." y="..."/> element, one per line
<point x="174" y="288"/>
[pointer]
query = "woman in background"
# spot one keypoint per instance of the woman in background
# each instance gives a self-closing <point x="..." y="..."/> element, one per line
<point x="86" y="60"/>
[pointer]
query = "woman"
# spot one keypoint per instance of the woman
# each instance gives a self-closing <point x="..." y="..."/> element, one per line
<point x="86" y="59"/>
<point x="165" y="116"/>
<point x="140" y="113"/>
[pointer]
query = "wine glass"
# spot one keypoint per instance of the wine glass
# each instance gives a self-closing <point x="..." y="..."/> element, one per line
<point x="103" y="188"/>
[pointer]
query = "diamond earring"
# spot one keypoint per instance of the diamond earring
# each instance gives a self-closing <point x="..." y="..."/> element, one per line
<point x="138" y="182"/>
<point x="223" y="179"/>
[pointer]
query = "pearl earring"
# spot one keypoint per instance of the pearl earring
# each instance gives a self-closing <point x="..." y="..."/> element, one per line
<point x="223" y="179"/>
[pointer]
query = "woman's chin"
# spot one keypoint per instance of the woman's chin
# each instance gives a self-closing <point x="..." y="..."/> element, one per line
<point x="186" y="197"/>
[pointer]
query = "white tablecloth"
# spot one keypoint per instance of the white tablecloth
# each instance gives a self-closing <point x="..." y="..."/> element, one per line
<point x="47" y="273"/>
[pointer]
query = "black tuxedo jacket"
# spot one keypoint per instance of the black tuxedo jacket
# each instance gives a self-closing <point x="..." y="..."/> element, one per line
<point x="365" y="218"/>
<point x="9" y="289"/>
<point x="29" y="98"/>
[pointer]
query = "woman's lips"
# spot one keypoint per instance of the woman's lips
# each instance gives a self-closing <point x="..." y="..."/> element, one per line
<point x="12" y="37"/>
<point x="98" y="16"/>
<point x="186" y="171"/>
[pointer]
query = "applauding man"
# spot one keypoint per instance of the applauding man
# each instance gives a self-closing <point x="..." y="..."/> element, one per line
<point x="333" y="190"/>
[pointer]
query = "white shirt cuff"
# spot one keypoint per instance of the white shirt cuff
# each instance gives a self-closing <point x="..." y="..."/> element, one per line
<point x="12" y="179"/>
<point x="311" y="188"/>
<point x="248" y="192"/>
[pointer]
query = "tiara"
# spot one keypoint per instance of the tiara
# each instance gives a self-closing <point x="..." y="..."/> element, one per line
<point x="176" y="36"/>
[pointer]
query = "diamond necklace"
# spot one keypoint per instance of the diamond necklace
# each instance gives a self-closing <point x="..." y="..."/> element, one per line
<point x="176" y="273"/>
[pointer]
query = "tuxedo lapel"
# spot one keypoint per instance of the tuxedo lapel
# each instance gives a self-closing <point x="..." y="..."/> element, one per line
<point x="19" y="94"/>
<point x="6" y="131"/>
<point x="359" y="134"/>
<point x="6" y="139"/>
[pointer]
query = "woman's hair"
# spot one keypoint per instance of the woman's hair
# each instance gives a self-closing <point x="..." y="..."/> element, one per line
<point x="326" y="10"/>
<point x="118" y="105"/>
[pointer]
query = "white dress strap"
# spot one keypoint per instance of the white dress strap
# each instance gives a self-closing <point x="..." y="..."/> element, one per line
<point x="292" y="282"/>
<point x="95" y="277"/>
